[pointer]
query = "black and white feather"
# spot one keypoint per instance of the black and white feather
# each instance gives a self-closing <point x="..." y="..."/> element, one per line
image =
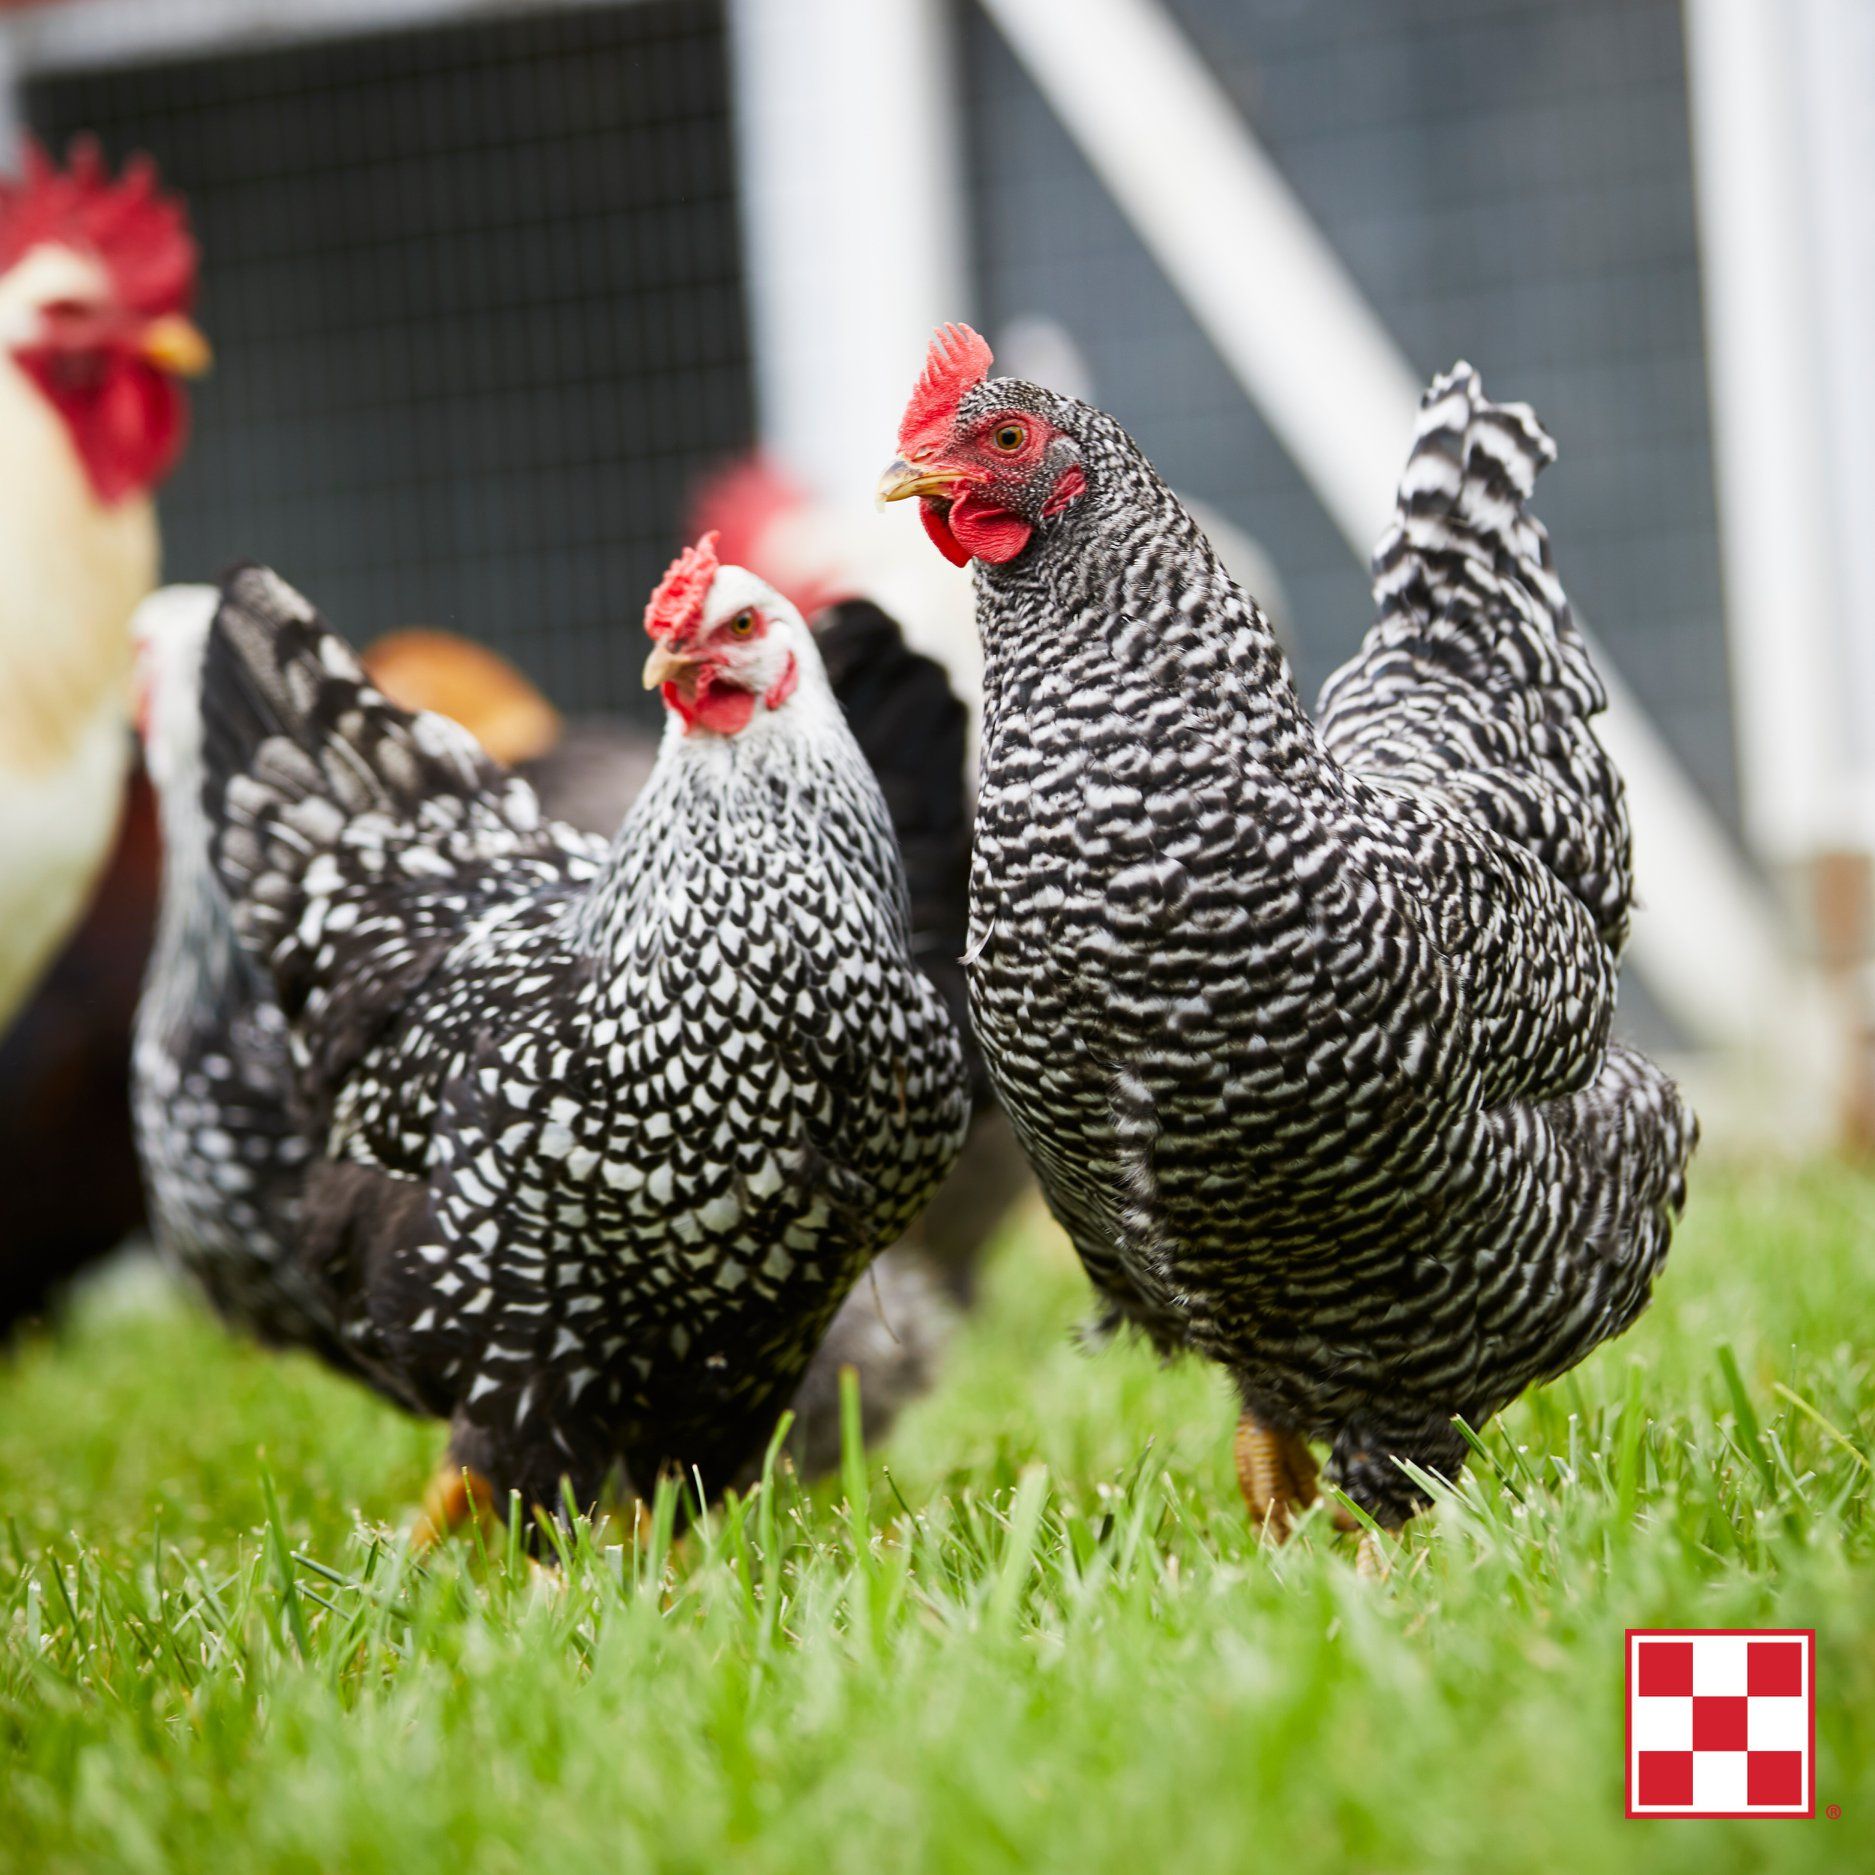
<point x="603" y="1132"/>
<point x="223" y="1150"/>
<point x="1306" y="1029"/>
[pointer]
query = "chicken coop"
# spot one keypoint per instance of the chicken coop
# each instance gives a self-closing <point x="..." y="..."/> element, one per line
<point x="494" y="282"/>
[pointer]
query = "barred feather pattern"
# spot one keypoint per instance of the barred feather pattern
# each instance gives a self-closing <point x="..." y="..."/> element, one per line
<point x="606" y="1132"/>
<point x="1475" y="685"/>
<point x="1308" y="1036"/>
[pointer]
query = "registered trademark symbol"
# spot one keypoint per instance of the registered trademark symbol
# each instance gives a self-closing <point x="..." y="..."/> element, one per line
<point x="1834" y="1813"/>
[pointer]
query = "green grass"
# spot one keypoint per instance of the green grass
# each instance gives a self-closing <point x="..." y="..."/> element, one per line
<point x="1032" y="1633"/>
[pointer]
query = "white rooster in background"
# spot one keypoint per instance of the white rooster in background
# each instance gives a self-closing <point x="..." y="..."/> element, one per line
<point x="96" y="279"/>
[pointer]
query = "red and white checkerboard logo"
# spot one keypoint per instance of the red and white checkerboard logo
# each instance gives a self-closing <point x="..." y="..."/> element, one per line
<point x="1721" y="1722"/>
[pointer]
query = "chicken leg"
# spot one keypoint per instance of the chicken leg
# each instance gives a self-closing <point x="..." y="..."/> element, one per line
<point x="1276" y="1473"/>
<point x="1373" y="1560"/>
<point x="1373" y="1557"/>
<point x="455" y="1496"/>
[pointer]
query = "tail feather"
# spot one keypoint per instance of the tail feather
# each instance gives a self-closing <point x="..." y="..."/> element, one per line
<point x="196" y="950"/>
<point x="914" y="733"/>
<point x="282" y="690"/>
<point x="1476" y="682"/>
<point x="1472" y="468"/>
<point x="351" y="835"/>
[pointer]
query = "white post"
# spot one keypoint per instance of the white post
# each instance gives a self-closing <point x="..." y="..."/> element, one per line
<point x="1288" y="320"/>
<point x="1763" y="335"/>
<point x="851" y="198"/>
<point x="1836" y="79"/>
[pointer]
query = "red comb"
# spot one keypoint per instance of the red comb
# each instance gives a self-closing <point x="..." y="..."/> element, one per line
<point x="958" y="359"/>
<point x="766" y="522"/>
<point x="677" y="604"/>
<point x="140" y="234"/>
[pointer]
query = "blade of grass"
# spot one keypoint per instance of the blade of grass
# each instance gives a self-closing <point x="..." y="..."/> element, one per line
<point x="283" y="1567"/>
<point x="1628" y="1454"/>
<point x="1831" y="1431"/>
<point x="1745" y="1418"/>
<point x="858" y="1509"/>
<point x="1018" y="1557"/>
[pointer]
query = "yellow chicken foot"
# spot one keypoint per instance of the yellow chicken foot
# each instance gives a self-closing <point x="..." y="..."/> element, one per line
<point x="454" y="1497"/>
<point x="1373" y="1559"/>
<point x="1276" y="1473"/>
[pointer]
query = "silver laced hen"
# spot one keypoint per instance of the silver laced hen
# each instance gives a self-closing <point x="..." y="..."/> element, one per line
<point x="222" y="1147"/>
<point x="1305" y="1025"/>
<point x="604" y="1133"/>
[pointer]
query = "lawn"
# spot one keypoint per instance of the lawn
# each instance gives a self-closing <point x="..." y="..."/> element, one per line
<point x="1032" y="1632"/>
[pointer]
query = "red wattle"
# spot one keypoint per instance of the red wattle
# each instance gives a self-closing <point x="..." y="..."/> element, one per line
<point x="783" y="687"/>
<point x="932" y="514"/>
<point x="716" y="706"/>
<point x="987" y="532"/>
<point x="127" y="420"/>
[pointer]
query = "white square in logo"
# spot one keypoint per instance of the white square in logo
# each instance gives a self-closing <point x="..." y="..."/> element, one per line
<point x="1720" y="1666"/>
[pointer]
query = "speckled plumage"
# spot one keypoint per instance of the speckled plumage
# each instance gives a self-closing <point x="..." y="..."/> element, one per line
<point x="606" y="1132"/>
<point x="1306" y="1028"/>
<point x="222" y="1150"/>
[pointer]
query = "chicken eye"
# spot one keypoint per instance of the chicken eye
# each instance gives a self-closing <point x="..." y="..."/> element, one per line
<point x="1009" y="437"/>
<point x="742" y="625"/>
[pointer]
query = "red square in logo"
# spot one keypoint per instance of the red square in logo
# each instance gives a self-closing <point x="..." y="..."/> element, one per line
<point x="1776" y="1668"/>
<point x="1666" y="1668"/>
<point x="1774" y="1777"/>
<point x="1666" y="1777"/>
<point x="1721" y="1722"/>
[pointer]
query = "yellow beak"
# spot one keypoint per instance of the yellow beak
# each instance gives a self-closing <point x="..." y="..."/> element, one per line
<point x="904" y="479"/>
<point x="176" y="345"/>
<point x="663" y="664"/>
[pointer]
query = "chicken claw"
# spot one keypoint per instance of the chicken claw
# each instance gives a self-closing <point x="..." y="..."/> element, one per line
<point x="455" y="1496"/>
<point x="1276" y="1473"/>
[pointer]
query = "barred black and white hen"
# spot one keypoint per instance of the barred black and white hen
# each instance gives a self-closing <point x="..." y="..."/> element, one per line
<point x="604" y="1132"/>
<point x="1305" y="1028"/>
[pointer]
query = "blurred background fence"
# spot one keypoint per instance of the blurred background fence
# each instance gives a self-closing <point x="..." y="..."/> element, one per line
<point x="477" y="296"/>
<point x="492" y="282"/>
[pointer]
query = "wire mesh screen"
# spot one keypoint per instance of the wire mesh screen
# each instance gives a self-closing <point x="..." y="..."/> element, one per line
<point x="477" y="303"/>
<point x="1507" y="180"/>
